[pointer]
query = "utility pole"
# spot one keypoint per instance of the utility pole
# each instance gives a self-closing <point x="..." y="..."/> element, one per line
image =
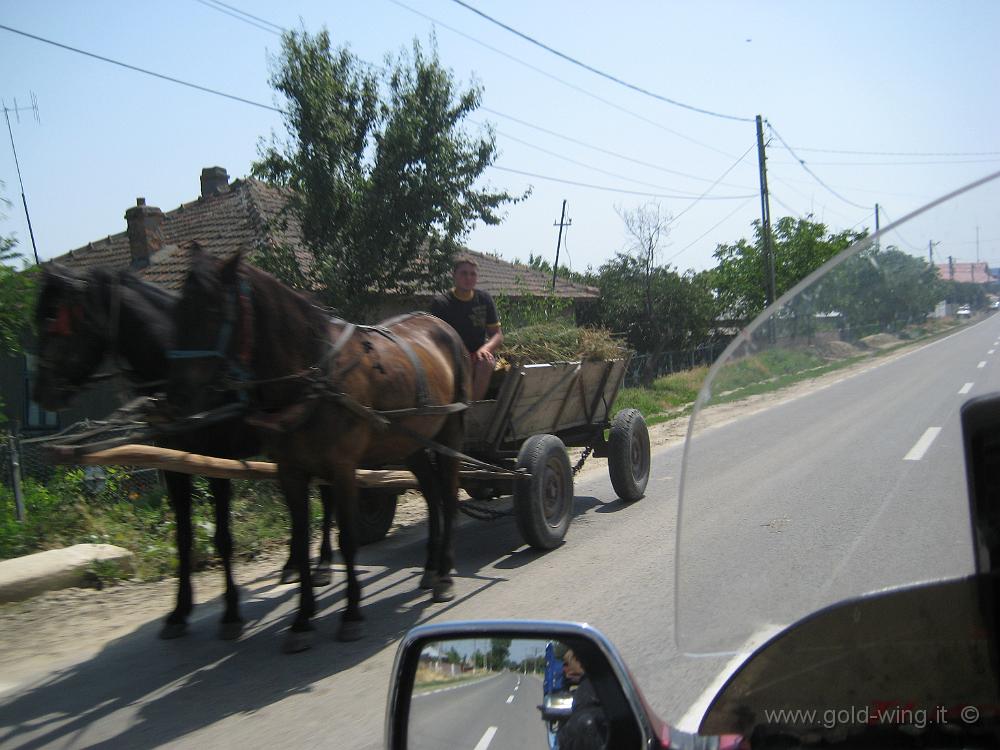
<point x="930" y="251"/>
<point x="562" y="223"/>
<point x="765" y="214"/>
<point x="876" y="228"/>
<point x="6" y="113"/>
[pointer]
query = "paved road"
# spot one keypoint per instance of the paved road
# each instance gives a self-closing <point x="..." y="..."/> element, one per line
<point x="498" y="712"/>
<point x="615" y="571"/>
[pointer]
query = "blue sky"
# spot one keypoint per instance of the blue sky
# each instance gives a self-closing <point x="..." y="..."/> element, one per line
<point x="888" y="77"/>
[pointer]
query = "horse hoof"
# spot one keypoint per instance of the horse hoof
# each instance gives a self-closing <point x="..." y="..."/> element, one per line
<point x="171" y="630"/>
<point x="297" y="641"/>
<point x="351" y="630"/>
<point x="428" y="580"/>
<point x="289" y="575"/>
<point x="444" y="591"/>
<point x="322" y="576"/>
<point x="230" y="631"/>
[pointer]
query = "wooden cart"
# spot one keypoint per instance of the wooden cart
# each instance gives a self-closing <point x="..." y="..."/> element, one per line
<point x="539" y="411"/>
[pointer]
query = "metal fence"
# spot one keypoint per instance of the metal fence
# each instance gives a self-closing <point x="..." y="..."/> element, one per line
<point x="666" y="363"/>
<point x="22" y="460"/>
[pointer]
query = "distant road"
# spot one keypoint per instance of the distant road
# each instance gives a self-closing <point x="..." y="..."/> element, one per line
<point x="497" y="712"/>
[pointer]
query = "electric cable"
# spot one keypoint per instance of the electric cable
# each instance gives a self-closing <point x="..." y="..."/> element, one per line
<point x="599" y="72"/>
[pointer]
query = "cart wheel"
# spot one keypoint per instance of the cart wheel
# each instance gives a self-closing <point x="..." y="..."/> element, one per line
<point x="377" y="509"/>
<point x="542" y="504"/>
<point x="628" y="455"/>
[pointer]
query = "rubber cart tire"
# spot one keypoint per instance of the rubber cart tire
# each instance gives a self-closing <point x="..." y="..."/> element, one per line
<point x="628" y="455"/>
<point x="377" y="508"/>
<point x="543" y="504"/>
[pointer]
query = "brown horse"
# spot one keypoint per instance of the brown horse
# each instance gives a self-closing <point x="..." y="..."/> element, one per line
<point x="328" y="397"/>
<point x="86" y="318"/>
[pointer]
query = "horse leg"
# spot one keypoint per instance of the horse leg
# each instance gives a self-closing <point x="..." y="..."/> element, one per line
<point x="423" y="469"/>
<point x="420" y="465"/>
<point x="451" y="436"/>
<point x="295" y="485"/>
<point x="346" y="506"/>
<point x="323" y="572"/>
<point x="231" y="624"/>
<point x="179" y="492"/>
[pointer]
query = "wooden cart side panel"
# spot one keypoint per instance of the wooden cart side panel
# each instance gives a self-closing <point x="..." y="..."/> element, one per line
<point x="564" y="396"/>
<point x="605" y="399"/>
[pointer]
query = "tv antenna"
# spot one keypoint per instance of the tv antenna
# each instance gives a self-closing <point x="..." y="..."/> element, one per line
<point x="17" y="116"/>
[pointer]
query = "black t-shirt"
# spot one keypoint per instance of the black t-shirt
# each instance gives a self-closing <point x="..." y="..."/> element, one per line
<point x="470" y="318"/>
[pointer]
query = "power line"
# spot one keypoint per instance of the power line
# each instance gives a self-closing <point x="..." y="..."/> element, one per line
<point x="899" y="153"/>
<point x="713" y="228"/>
<point x="895" y="163"/>
<point x="240" y="15"/>
<point x="711" y="187"/>
<point x="595" y="169"/>
<point x="617" y="155"/>
<point x="814" y="175"/>
<point x="143" y="70"/>
<point x="611" y="189"/>
<point x="900" y="234"/>
<point x="597" y="71"/>
<point x="578" y="89"/>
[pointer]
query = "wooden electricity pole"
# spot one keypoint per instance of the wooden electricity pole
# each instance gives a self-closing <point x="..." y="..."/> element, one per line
<point x="562" y="223"/>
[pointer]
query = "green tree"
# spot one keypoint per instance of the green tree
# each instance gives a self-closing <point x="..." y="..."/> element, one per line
<point x="17" y="292"/>
<point x="881" y="290"/>
<point x="499" y="652"/>
<point x="800" y="247"/>
<point x="658" y="311"/>
<point x="380" y="171"/>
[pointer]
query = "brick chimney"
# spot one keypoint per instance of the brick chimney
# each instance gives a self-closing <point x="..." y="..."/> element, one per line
<point x="145" y="232"/>
<point x="214" y="180"/>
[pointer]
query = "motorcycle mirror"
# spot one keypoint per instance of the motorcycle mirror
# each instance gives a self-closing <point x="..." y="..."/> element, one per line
<point x="515" y="684"/>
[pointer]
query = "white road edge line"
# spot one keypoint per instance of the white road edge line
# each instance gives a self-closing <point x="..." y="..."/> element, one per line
<point x="965" y="389"/>
<point x="486" y="739"/>
<point x="981" y="364"/>
<point x="917" y="451"/>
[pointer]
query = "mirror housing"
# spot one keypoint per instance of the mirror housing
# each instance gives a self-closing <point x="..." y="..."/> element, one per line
<point x="631" y="723"/>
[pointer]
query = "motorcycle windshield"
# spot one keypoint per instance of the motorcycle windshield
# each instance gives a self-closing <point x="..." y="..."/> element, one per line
<point x="824" y="457"/>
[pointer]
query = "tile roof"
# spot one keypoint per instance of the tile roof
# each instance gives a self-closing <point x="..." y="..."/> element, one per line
<point x="248" y="214"/>
<point x="977" y="273"/>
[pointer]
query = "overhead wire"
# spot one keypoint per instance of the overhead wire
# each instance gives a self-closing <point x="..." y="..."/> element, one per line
<point x="715" y="226"/>
<point x="806" y="168"/>
<point x="574" y="87"/>
<point x="704" y="196"/>
<point x="144" y="71"/>
<point x="900" y="234"/>
<point x="597" y="71"/>
<point x="898" y="153"/>
<point x="243" y="16"/>
<point x="605" y="188"/>
<point x="595" y="169"/>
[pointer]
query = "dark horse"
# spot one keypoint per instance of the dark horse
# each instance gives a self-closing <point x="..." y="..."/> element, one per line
<point x="314" y="384"/>
<point x="82" y="319"/>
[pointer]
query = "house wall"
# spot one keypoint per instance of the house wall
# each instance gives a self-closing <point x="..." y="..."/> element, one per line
<point x="23" y="414"/>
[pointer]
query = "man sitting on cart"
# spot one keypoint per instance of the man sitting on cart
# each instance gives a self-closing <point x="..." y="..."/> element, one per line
<point x="473" y="314"/>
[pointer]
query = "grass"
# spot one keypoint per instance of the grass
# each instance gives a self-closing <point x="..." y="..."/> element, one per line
<point x="62" y="512"/>
<point x="429" y="679"/>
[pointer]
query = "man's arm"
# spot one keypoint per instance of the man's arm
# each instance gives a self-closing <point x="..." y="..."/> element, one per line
<point x="494" y="334"/>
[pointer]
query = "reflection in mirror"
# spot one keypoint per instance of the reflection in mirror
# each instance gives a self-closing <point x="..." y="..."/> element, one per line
<point x="504" y="693"/>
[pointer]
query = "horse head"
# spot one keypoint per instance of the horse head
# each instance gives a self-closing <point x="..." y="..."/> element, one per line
<point x="211" y="321"/>
<point x="73" y="333"/>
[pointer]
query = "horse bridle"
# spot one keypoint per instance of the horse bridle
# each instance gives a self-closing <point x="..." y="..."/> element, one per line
<point x="238" y="310"/>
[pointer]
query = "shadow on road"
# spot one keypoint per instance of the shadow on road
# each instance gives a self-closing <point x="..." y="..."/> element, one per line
<point x="184" y="685"/>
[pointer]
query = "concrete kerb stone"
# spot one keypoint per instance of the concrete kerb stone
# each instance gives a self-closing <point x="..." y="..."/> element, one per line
<point x="24" y="577"/>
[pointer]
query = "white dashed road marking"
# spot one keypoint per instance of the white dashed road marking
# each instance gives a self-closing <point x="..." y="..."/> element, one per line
<point x="965" y="389"/>
<point x="917" y="451"/>
<point x="486" y="739"/>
